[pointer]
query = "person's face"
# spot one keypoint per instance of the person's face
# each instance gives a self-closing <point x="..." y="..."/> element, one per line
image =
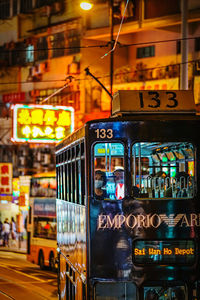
<point x="98" y="181"/>
<point x="119" y="177"/>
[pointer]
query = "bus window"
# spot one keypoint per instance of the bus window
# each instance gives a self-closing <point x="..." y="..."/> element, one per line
<point x="163" y="170"/>
<point x="44" y="227"/>
<point x="43" y="187"/>
<point x="109" y="171"/>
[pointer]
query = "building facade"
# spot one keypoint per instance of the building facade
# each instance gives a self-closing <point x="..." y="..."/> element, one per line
<point x="48" y="44"/>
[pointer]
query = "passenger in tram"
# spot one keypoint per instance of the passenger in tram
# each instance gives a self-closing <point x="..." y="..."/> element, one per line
<point x="119" y="183"/>
<point x="100" y="183"/>
<point x="178" y="294"/>
<point x="179" y="186"/>
<point x="151" y="295"/>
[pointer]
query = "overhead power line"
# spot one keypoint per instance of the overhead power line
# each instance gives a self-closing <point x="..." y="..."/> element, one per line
<point x="98" y="46"/>
<point x="105" y="76"/>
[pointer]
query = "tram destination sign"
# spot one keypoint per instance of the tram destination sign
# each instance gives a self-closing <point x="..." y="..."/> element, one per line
<point x="127" y="101"/>
<point x="164" y="252"/>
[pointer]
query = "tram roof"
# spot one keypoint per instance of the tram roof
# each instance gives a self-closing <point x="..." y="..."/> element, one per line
<point x="153" y="102"/>
<point x="123" y="109"/>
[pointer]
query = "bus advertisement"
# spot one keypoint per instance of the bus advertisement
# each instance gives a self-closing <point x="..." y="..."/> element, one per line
<point x="41" y="222"/>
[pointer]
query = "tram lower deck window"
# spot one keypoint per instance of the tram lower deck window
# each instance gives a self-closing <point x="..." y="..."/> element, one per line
<point x="163" y="170"/>
<point x="115" y="291"/>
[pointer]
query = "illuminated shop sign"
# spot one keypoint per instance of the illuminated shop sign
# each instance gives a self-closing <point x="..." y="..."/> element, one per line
<point x="41" y="123"/>
<point x="166" y="252"/>
<point x="6" y="178"/>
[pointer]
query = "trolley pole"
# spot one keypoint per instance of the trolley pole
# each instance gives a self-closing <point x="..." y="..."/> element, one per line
<point x="184" y="46"/>
<point x="111" y="47"/>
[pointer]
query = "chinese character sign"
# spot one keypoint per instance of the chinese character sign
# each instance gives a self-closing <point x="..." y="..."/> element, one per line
<point x="42" y="123"/>
<point x="6" y="178"/>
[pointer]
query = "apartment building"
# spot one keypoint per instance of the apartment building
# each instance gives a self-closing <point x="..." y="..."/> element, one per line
<point x="47" y="45"/>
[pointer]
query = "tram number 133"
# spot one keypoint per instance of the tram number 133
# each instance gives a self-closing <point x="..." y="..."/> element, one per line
<point x="155" y="99"/>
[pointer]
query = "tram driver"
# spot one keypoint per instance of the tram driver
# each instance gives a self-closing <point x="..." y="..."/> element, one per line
<point x="100" y="183"/>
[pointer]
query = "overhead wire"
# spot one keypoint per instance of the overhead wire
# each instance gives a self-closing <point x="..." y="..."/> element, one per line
<point x="100" y="45"/>
<point x="120" y="27"/>
<point x="99" y="77"/>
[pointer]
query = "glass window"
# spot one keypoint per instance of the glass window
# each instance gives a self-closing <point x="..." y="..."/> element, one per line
<point x="163" y="170"/>
<point x="161" y="293"/>
<point x="109" y="171"/>
<point x="58" y="44"/>
<point x="45" y="227"/>
<point x="43" y="187"/>
<point x="115" y="291"/>
<point x="42" y="48"/>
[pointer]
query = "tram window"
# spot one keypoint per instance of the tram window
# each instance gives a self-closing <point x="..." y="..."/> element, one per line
<point x="169" y="293"/>
<point x="163" y="170"/>
<point x="115" y="291"/>
<point x="108" y="171"/>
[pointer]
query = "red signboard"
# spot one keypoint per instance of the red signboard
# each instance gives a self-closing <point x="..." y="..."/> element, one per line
<point x="6" y="178"/>
<point x="14" y="97"/>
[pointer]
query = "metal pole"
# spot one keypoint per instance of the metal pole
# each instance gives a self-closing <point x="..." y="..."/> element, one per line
<point x="184" y="46"/>
<point x="111" y="46"/>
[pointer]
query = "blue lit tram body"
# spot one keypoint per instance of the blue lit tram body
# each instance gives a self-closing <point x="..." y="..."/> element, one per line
<point x="128" y="208"/>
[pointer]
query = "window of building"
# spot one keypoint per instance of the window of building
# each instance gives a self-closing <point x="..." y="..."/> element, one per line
<point x="42" y="48"/>
<point x="163" y="170"/>
<point x="4" y="9"/>
<point x="197" y="44"/>
<point x="26" y="6"/>
<point x="30" y="53"/>
<point x="178" y="47"/>
<point x="73" y="41"/>
<point x="15" y="7"/>
<point x="18" y="54"/>
<point x="157" y="8"/>
<point x="58" y="44"/>
<point x="145" y="52"/>
<point x="109" y="171"/>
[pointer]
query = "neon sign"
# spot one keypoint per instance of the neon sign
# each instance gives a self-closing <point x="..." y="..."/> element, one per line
<point x="41" y="123"/>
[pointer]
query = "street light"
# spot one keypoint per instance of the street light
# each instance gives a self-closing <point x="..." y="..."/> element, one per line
<point x="86" y="5"/>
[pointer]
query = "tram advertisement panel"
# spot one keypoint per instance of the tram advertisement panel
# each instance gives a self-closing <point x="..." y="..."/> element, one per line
<point x="143" y="216"/>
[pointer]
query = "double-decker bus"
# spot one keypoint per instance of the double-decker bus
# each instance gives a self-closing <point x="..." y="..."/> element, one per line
<point x="41" y="221"/>
<point x="128" y="209"/>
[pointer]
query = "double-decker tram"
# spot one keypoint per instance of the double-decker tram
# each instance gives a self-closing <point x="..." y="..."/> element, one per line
<point x="128" y="209"/>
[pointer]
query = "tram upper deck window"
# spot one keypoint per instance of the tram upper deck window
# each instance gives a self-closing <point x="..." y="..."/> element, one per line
<point x="163" y="170"/>
<point x="109" y="171"/>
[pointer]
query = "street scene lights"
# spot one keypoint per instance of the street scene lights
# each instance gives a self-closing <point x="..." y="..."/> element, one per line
<point x="85" y="5"/>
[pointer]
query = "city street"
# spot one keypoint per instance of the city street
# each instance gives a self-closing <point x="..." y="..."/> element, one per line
<point x="20" y="279"/>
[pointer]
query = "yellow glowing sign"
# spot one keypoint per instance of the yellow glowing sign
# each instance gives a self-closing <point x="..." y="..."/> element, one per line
<point x="164" y="252"/>
<point x="41" y="123"/>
